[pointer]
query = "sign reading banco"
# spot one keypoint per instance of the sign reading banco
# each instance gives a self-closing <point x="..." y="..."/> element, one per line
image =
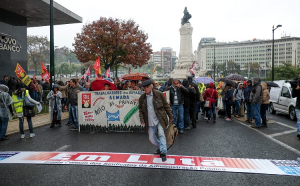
<point x="9" y="44"/>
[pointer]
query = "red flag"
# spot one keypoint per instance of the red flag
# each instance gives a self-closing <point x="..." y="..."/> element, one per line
<point x="86" y="74"/>
<point x="107" y="73"/>
<point x="97" y="67"/>
<point x="192" y="68"/>
<point x="45" y="74"/>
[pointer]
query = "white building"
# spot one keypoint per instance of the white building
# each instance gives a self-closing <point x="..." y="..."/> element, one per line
<point x="286" y="50"/>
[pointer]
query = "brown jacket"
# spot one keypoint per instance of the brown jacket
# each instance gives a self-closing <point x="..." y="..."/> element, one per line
<point x="161" y="107"/>
<point x="63" y="90"/>
<point x="266" y="93"/>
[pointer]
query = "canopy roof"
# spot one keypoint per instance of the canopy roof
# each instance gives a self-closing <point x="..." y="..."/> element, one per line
<point x="37" y="12"/>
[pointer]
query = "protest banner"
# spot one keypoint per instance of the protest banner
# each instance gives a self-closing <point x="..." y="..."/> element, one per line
<point x="110" y="110"/>
<point x="174" y="162"/>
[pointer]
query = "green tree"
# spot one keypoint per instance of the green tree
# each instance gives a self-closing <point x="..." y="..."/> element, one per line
<point x="254" y="68"/>
<point x="285" y="72"/>
<point x="38" y="50"/>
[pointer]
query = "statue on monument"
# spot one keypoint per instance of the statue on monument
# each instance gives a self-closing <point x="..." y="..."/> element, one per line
<point x="186" y="16"/>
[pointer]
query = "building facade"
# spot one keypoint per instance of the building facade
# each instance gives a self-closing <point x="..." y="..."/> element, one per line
<point x="165" y="58"/>
<point x="286" y="50"/>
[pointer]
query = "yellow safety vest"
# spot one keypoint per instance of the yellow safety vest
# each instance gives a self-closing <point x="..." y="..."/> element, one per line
<point x="18" y="102"/>
<point x="201" y="88"/>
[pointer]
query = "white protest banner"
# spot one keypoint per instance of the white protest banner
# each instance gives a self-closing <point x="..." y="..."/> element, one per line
<point x="110" y="110"/>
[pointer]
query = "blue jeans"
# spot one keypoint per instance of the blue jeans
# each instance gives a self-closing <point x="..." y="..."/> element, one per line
<point x="198" y="107"/>
<point x="298" y="120"/>
<point x="224" y="107"/>
<point x="74" y="111"/>
<point x="186" y="117"/>
<point x="256" y="111"/>
<point x="161" y="143"/>
<point x="237" y="106"/>
<point x="249" y="108"/>
<point x="178" y="108"/>
<point x="213" y="108"/>
<point x="3" y="126"/>
<point x="70" y="120"/>
<point x="21" y="121"/>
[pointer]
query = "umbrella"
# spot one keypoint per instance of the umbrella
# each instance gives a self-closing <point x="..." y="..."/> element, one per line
<point x="135" y="76"/>
<point x="108" y="79"/>
<point x="236" y="77"/>
<point x="99" y="85"/>
<point x="271" y="84"/>
<point x="227" y="81"/>
<point x="205" y="80"/>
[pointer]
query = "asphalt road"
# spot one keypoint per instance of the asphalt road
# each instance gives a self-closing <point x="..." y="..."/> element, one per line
<point x="223" y="139"/>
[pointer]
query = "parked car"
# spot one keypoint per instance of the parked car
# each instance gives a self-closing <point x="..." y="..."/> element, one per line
<point x="281" y="99"/>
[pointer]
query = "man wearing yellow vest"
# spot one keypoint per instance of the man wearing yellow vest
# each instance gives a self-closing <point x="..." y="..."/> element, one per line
<point x="200" y="106"/>
<point x="18" y="97"/>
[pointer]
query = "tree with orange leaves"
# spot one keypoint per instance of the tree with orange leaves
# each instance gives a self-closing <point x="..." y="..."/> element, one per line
<point x="115" y="41"/>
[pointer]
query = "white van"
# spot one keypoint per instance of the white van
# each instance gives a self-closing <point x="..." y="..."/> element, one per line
<point x="281" y="99"/>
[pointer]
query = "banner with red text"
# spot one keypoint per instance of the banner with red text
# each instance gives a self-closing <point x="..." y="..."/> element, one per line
<point x="195" y="163"/>
<point x="110" y="110"/>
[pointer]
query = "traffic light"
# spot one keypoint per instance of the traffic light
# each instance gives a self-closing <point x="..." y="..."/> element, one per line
<point x="83" y="71"/>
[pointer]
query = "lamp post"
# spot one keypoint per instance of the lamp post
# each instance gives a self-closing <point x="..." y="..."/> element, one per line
<point x="52" y="75"/>
<point x="214" y="64"/>
<point x="273" y="29"/>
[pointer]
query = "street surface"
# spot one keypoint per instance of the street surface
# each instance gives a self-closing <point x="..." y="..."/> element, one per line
<point x="224" y="139"/>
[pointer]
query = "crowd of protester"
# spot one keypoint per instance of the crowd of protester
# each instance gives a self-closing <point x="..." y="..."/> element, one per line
<point x="187" y="100"/>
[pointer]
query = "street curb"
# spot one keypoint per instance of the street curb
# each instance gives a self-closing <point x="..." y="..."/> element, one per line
<point x="34" y="124"/>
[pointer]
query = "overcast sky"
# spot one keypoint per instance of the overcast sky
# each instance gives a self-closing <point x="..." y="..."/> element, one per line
<point x="226" y="20"/>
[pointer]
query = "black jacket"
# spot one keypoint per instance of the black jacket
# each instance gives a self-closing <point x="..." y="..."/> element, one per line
<point x="196" y="97"/>
<point x="180" y="94"/>
<point x="4" y="82"/>
<point x="187" y="96"/>
<point x="296" y="94"/>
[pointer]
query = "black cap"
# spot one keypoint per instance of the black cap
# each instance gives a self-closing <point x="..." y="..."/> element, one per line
<point x="147" y="82"/>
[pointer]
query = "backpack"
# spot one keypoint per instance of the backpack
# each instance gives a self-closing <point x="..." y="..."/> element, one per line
<point x="171" y="133"/>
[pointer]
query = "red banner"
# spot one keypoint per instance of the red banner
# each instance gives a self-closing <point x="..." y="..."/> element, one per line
<point x="97" y="67"/>
<point x="45" y="74"/>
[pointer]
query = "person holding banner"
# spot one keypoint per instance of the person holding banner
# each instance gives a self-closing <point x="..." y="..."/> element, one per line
<point x="154" y="111"/>
<point x="72" y="100"/>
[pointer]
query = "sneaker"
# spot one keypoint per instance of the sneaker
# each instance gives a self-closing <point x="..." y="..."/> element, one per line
<point x="254" y="126"/>
<point x="22" y="136"/>
<point x="187" y="128"/>
<point x="163" y="157"/>
<point x="180" y="131"/>
<point x="32" y="135"/>
<point x="74" y="129"/>
<point x="228" y="119"/>
<point x="205" y="118"/>
<point x="236" y="116"/>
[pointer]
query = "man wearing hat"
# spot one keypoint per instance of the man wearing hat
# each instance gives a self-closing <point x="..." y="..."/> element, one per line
<point x="154" y="112"/>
